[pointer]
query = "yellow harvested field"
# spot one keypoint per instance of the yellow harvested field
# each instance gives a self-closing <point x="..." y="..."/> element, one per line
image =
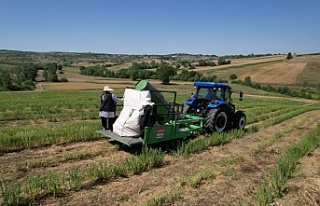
<point x="240" y="62"/>
<point x="284" y="72"/>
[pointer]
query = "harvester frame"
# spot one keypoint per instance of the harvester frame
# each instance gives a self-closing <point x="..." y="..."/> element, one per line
<point x="177" y="121"/>
<point x="171" y="124"/>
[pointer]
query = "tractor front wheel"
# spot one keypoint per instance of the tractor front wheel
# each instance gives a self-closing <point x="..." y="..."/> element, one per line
<point x="216" y="120"/>
<point x="239" y="120"/>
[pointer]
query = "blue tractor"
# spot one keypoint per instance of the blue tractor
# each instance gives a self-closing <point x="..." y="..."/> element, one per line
<point x="212" y="101"/>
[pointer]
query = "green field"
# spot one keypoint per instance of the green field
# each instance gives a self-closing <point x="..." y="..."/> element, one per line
<point x="51" y="154"/>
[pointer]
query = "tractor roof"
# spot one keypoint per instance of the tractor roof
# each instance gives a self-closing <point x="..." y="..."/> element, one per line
<point x="211" y="84"/>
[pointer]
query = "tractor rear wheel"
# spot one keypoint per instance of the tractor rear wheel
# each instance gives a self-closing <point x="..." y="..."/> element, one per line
<point x="216" y="120"/>
<point x="239" y="120"/>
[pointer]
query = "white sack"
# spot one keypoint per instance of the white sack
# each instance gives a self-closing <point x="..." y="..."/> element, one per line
<point x="127" y="124"/>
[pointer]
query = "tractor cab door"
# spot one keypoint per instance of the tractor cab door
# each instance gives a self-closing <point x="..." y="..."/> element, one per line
<point x="228" y="100"/>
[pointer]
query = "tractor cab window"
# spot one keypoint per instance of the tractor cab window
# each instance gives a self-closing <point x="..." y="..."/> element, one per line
<point x="210" y="93"/>
<point x="218" y="93"/>
<point x="205" y="93"/>
<point x="227" y="95"/>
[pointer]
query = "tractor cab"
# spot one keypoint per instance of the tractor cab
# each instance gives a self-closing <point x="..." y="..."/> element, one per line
<point x="208" y="95"/>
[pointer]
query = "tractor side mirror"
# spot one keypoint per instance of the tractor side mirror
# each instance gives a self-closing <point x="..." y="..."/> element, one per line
<point x="241" y="96"/>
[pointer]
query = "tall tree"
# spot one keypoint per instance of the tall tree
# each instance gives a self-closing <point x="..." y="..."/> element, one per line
<point x="164" y="72"/>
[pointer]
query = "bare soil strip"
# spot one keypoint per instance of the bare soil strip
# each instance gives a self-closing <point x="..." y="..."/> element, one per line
<point x="236" y="172"/>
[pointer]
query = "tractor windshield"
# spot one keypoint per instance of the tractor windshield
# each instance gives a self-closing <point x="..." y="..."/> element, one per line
<point x="210" y="93"/>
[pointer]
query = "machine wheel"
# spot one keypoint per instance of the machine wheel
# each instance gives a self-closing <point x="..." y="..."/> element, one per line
<point x="239" y="120"/>
<point x="216" y="120"/>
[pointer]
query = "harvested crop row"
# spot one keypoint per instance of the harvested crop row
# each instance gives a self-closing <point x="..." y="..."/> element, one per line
<point x="154" y="182"/>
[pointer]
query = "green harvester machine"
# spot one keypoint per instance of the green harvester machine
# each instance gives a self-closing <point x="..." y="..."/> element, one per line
<point x="171" y="123"/>
<point x="209" y="110"/>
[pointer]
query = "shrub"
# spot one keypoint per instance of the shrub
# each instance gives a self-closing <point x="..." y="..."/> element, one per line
<point x="63" y="80"/>
<point x="233" y="76"/>
<point x="222" y="61"/>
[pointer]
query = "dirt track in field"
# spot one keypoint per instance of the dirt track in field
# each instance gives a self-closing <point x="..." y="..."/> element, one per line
<point x="236" y="171"/>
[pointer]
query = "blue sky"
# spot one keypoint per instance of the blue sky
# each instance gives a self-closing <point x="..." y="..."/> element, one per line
<point x="220" y="27"/>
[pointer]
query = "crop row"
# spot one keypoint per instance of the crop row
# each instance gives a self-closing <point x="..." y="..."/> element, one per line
<point x="74" y="105"/>
<point x="44" y="112"/>
<point x="272" y="184"/>
<point x="54" y="183"/>
<point x="31" y="136"/>
<point x="175" y="193"/>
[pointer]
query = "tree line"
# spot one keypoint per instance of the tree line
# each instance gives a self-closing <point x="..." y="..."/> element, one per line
<point x="279" y="89"/>
<point x="23" y="76"/>
<point x="162" y="71"/>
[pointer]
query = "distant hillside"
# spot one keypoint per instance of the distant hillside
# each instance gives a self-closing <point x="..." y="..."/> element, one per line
<point x="262" y="68"/>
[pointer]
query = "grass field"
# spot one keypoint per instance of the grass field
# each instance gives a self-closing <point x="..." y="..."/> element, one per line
<point x="50" y="153"/>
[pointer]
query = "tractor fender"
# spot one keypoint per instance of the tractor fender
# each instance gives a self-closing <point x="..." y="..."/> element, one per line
<point x="190" y="102"/>
<point x="215" y="104"/>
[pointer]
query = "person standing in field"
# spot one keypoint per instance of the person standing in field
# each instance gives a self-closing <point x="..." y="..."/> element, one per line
<point x="108" y="108"/>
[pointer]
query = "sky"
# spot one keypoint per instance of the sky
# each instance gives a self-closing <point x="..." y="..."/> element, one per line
<point x="215" y="27"/>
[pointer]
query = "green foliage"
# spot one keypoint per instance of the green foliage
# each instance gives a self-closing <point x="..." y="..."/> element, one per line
<point x="196" y="180"/>
<point x="14" y="138"/>
<point x="63" y="80"/>
<point x="164" y="72"/>
<point x="233" y="76"/>
<point x="149" y="158"/>
<point x="75" y="178"/>
<point x="22" y="76"/>
<point x="145" y="65"/>
<point x="192" y="76"/>
<point x="223" y="60"/>
<point x="247" y="80"/>
<point x="18" y="78"/>
<point x="185" y="63"/>
<point x="241" y="56"/>
<point x="101" y="172"/>
<point x="281" y="90"/>
<point x="273" y="185"/>
<point x="11" y="193"/>
<point x="133" y="72"/>
<point x="166" y="199"/>
<point x="53" y="185"/>
<point x="203" y="63"/>
<point x="263" y="195"/>
<point x="199" y="144"/>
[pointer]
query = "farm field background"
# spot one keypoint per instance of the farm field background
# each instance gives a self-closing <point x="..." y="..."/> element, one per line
<point x="50" y="153"/>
